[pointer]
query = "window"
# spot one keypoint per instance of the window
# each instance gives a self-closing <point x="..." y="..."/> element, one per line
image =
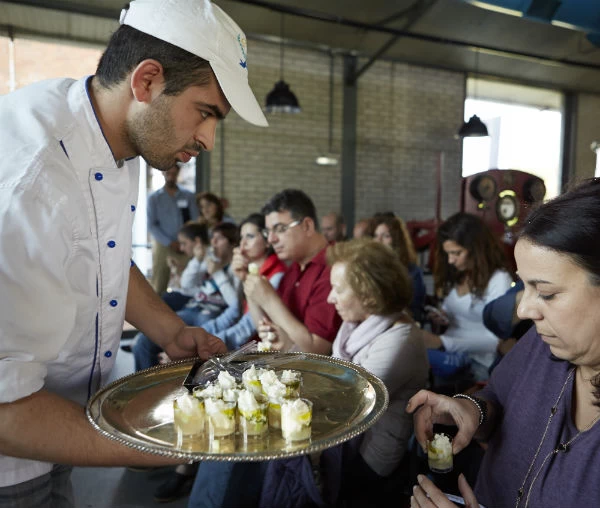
<point x="525" y="127"/>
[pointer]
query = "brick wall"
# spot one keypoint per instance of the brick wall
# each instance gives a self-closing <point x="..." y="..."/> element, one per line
<point x="406" y="120"/>
<point x="406" y="117"/>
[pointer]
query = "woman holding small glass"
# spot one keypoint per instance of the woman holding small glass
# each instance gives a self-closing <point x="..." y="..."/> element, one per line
<point x="540" y="410"/>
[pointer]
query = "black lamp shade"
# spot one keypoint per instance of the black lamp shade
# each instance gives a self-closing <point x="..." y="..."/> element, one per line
<point x="473" y="128"/>
<point x="282" y="100"/>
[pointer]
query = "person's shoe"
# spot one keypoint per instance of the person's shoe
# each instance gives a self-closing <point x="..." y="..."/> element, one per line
<point x="177" y="486"/>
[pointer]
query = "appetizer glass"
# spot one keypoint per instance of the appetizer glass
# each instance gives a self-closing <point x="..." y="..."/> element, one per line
<point x="221" y="418"/>
<point x="439" y="453"/>
<point x="296" y="419"/>
<point x="254" y="421"/>
<point x="292" y="379"/>
<point x="188" y="417"/>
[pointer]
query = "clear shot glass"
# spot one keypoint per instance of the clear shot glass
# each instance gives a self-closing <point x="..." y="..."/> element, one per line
<point x="439" y="453"/>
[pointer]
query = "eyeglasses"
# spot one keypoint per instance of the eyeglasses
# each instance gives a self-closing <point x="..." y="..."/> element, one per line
<point x="279" y="229"/>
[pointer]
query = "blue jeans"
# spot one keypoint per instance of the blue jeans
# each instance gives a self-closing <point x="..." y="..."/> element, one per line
<point x="145" y="352"/>
<point x="227" y="485"/>
<point x="52" y="490"/>
<point x="175" y="300"/>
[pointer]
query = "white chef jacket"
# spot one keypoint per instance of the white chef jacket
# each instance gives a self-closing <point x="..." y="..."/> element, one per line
<point x="66" y="215"/>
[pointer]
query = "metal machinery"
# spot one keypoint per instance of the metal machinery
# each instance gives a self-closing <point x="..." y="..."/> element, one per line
<point x="502" y="198"/>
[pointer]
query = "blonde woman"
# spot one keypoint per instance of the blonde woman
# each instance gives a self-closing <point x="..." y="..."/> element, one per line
<point x="371" y="291"/>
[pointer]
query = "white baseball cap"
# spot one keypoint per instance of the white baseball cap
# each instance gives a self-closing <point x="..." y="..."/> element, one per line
<point x="205" y="30"/>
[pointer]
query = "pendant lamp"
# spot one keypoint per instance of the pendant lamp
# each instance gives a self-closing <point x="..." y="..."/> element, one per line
<point x="474" y="127"/>
<point x="329" y="158"/>
<point x="281" y="99"/>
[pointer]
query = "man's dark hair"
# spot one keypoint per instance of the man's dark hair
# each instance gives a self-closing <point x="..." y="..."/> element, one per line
<point x="128" y="47"/>
<point x="294" y="201"/>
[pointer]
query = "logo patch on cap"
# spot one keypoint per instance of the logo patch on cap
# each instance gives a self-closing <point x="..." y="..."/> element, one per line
<point x="243" y="46"/>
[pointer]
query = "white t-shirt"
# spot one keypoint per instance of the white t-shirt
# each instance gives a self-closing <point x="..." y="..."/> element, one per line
<point x="466" y="331"/>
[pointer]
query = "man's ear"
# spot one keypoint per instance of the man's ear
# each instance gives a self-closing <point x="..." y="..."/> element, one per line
<point x="147" y="80"/>
<point x="309" y="226"/>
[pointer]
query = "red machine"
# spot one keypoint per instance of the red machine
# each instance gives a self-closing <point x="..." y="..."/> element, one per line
<point x="502" y="198"/>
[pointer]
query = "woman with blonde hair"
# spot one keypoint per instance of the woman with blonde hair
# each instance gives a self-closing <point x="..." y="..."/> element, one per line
<point x="371" y="291"/>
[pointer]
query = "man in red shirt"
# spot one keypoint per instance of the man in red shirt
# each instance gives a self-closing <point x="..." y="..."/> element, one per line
<point x="297" y="316"/>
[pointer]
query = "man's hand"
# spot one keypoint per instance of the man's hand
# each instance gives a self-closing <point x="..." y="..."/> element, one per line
<point x="258" y="289"/>
<point x="275" y="335"/>
<point x="193" y="341"/>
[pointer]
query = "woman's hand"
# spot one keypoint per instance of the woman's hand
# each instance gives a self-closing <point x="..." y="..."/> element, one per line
<point x="239" y="264"/>
<point x="427" y="495"/>
<point x="214" y="265"/>
<point x="199" y="251"/>
<point x="437" y="316"/>
<point x="432" y="341"/>
<point x="429" y="408"/>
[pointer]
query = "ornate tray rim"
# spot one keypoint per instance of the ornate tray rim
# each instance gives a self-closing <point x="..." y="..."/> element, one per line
<point x="380" y="406"/>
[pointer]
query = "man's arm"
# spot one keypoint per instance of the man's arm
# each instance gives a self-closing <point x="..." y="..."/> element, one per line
<point x="154" y="318"/>
<point x="260" y="293"/>
<point x="46" y="427"/>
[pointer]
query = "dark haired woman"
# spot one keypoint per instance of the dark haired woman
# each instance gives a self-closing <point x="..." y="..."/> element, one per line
<point x="540" y="410"/>
<point x="469" y="272"/>
<point x="212" y="211"/>
<point x="253" y="249"/>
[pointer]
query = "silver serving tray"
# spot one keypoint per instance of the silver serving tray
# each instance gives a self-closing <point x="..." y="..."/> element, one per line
<point x="137" y="410"/>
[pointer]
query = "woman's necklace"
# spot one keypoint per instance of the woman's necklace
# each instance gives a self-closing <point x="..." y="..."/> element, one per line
<point x="562" y="447"/>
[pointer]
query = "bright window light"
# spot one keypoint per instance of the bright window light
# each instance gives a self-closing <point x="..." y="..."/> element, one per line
<point x="521" y="137"/>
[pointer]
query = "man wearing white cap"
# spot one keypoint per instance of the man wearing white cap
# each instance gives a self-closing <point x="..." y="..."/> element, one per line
<point x="68" y="192"/>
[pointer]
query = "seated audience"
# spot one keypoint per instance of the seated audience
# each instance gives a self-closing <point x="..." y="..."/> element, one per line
<point x="371" y="291"/>
<point x="391" y="231"/>
<point x="228" y="326"/>
<point x="540" y="410"/>
<point x="218" y="291"/>
<point x="333" y="227"/>
<point x="211" y="209"/>
<point x="362" y="228"/>
<point x="296" y="314"/>
<point x="193" y="242"/>
<point x="469" y="272"/>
